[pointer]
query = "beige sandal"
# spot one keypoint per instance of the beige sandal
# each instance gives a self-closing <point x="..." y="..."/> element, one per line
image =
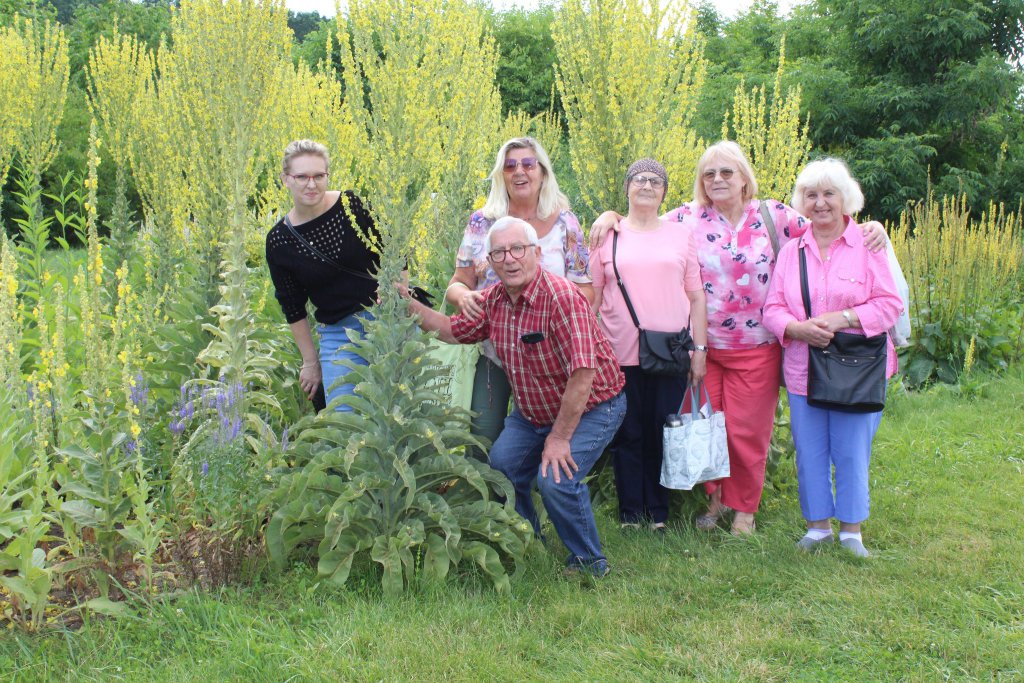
<point x="743" y="526"/>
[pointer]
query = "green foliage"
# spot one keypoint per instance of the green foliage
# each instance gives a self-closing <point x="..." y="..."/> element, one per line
<point x="388" y="480"/>
<point x="526" y="68"/>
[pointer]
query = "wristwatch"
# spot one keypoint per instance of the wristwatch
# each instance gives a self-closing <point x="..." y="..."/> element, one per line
<point x="700" y="347"/>
<point x="849" y="318"/>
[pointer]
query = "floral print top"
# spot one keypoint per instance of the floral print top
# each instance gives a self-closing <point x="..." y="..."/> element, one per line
<point x="736" y="264"/>
<point x="563" y="250"/>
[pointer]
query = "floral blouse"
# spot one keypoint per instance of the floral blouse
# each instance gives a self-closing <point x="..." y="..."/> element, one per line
<point x="563" y="250"/>
<point x="736" y="264"/>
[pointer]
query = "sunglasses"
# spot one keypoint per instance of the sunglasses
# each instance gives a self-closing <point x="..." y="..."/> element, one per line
<point x="725" y="173"/>
<point x="528" y="163"/>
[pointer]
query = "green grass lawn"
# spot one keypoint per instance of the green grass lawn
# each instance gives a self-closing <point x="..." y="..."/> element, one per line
<point x="942" y="598"/>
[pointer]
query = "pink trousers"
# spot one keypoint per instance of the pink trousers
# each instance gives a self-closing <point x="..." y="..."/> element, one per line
<point x="744" y="383"/>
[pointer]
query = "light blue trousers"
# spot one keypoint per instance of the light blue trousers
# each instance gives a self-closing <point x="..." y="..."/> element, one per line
<point x="827" y="439"/>
<point x="335" y="346"/>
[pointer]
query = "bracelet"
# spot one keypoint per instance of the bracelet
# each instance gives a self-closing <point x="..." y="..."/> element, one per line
<point x="457" y="282"/>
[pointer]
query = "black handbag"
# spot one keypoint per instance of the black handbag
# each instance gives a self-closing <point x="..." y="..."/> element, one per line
<point x="661" y="353"/>
<point x="848" y="375"/>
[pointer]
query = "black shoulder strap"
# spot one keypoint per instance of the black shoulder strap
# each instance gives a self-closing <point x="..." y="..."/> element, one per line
<point x="316" y="252"/>
<point x="618" y="278"/>
<point x="804" y="289"/>
<point x="766" y="216"/>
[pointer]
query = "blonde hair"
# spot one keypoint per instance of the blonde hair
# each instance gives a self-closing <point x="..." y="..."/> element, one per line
<point x="830" y="172"/>
<point x="297" y="148"/>
<point x="551" y="198"/>
<point x="729" y="152"/>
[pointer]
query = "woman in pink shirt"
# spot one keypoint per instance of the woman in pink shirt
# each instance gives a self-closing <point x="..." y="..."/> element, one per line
<point x="851" y="290"/>
<point x="657" y="262"/>
<point x="733" y="234"/>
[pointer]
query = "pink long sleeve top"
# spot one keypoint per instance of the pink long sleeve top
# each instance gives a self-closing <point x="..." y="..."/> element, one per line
<point x="849" y="276"/>
<point x="657" y="267"/>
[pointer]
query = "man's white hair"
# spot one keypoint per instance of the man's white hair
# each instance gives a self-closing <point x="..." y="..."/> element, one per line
<point x="506" y="223"/>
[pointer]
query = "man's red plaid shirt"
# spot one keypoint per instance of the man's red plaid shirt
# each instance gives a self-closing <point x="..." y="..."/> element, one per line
<point x="539" y="372"/>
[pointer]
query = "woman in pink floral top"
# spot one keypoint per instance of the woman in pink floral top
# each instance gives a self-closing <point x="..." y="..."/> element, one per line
<point x="523" y="186"/>
<point x="737" y="257"/>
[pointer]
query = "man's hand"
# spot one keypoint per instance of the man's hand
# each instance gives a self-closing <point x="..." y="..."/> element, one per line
<point x="556" y="455"/>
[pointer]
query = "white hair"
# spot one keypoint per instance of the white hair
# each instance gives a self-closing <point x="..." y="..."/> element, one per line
<point x="832" y="173"/>
<point x="509" y="222"/>
<point x="551" y="198"/>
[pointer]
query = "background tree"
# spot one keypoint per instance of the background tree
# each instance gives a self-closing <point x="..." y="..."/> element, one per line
<point x="526" y="71"/>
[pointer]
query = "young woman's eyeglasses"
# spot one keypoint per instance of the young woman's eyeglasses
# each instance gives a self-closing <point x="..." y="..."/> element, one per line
<point x="303" y="179"/>
<point x="518" y="251"/>
<point x="640" y="180"/>
<point x="528" y="163"/>
<point x="725" y="173"/>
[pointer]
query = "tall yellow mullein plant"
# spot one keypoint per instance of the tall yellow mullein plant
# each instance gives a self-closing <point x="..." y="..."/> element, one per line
<point x="426" y="125"/>
<point x="44" y="58"/>
<point x="630" y="74"/>
<point x="770" y="132"/>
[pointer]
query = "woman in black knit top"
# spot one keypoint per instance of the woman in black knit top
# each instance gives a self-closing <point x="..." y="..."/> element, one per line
<point x="321" y="258"/>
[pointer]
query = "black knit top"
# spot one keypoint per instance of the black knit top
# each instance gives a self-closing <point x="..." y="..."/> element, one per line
<point x="299" y="275"/>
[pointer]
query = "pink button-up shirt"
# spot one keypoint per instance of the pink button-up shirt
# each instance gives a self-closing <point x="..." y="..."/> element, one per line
<point x="850" y="276"/>
<point x="736" y="263"/>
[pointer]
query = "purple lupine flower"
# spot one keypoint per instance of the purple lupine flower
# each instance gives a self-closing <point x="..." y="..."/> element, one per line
<point x="140" y="392"/>
<point x="177" y="427"/>
<point x="131" y="447"/>
<point x="236" y="428"/>
<point x="206" y="468"/>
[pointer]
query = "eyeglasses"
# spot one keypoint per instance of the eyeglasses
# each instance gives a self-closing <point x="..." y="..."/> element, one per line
<point x="303" y="179"/>
<point x="528" y="163"/>
<point x="518" y="251"/>
<point x="657" y="182"/>
<point x="725" y="173"/>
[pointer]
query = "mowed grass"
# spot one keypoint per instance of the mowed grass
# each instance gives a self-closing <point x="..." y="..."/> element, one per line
<point x="942" y="598"/>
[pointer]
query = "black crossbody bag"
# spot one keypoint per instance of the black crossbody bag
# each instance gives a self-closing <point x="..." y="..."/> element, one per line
<point x="848" y="375"/>
<point x="661" y="353"/>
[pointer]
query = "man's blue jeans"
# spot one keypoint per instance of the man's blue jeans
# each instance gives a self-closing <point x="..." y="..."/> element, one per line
<point x="517" y="455"/>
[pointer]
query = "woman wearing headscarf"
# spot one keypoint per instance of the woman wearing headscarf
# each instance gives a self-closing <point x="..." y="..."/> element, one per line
<point x="656" y="262"/>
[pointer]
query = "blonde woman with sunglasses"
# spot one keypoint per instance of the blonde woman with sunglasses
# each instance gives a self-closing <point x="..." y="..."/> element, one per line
<point x="737" y="252"/>
<point x="523" y="186"/>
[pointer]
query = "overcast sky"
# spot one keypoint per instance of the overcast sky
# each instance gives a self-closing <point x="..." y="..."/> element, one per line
<point x="729" y="8"/>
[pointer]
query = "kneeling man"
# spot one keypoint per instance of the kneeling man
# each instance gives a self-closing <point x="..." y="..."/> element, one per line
<point x="565" y="381"/>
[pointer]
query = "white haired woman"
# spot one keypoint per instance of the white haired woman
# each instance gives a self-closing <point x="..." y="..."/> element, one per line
<point x="851" y="290"/>
<point x="736" y="238"/>
<point x="523" y="186"/>
<point x="316" y="253"/>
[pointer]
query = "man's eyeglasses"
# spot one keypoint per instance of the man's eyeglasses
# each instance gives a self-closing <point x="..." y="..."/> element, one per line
<point x="517" y="251"/>
<point x="528" y="163"/>
<point x="303" y="179"/>
<point x="640" y="180"/>
<point x="725" y="173"/>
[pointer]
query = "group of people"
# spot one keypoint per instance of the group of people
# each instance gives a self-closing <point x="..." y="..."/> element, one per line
<point x="559" y="322"/>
